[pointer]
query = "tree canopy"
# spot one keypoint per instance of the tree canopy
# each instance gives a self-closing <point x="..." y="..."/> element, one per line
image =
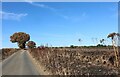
<point x="21" y="38"/>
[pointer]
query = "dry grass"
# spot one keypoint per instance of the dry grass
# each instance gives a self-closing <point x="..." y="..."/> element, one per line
<point x="6" y="52"/>
<point x="76" y="62"/>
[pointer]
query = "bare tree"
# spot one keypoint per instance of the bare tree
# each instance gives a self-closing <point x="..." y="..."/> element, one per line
<point x="80" y="40"/>
<point x="95" y="41"/>
<point x="112" y="36"/>
<point x="102" y="41"/>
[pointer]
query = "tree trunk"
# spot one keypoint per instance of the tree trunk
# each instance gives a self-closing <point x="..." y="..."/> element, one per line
<point x="21" y="45"/>
<point x="116" y="55"/>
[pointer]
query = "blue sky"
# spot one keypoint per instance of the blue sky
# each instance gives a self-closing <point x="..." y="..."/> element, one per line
<point x="59" y="23"/>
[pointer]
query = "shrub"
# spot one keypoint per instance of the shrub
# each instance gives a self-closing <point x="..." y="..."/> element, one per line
<point x="31" y="44"/>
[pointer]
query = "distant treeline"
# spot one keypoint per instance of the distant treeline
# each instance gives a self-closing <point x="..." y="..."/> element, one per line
<point x="74" y="46"/>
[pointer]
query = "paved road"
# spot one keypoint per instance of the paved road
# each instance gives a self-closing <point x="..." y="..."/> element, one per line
<point x="19" y="64"/>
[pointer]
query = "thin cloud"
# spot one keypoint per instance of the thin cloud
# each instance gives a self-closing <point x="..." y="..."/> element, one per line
<point x="30" y="1"/>
<point x="40" y="5"/>
<point x="81" y="17"/>
<point x="47" y="7"/>
<point x="61" y="15"/>
<point x="12" y="16"/>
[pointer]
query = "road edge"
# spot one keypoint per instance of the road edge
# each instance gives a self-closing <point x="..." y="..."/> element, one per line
<point x="38" y="66"/>
<point x="9" y="57"/>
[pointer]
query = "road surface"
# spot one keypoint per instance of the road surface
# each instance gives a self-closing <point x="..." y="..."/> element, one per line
<point x="19" y="63"/>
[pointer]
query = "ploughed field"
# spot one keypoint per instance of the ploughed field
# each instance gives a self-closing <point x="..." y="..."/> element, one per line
<point x="77" y="61"/>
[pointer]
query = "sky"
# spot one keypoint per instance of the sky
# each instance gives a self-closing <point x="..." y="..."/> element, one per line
<point x="59" y="23"/>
